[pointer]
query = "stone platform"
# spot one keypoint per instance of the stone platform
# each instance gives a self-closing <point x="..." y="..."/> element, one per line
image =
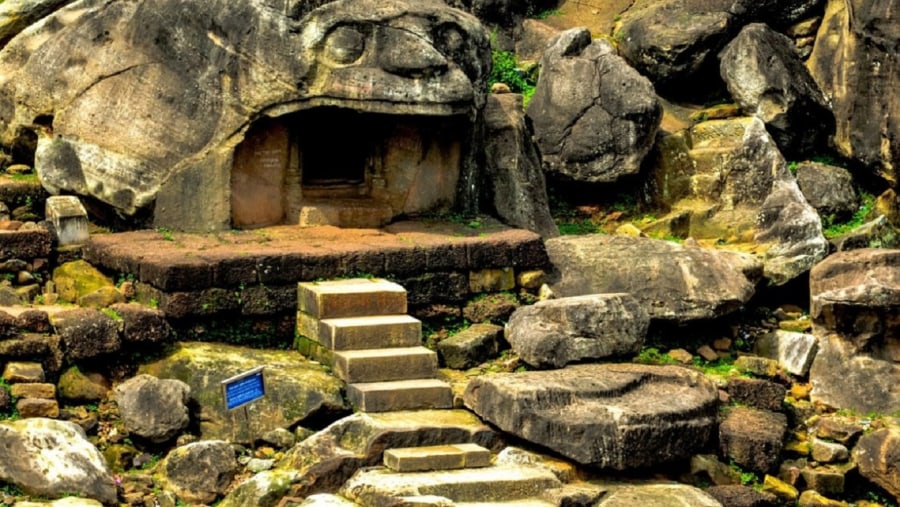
<point x="255" y="272"/>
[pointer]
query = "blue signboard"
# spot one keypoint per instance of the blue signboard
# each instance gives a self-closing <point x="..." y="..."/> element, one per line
<point x="244" y="388"/>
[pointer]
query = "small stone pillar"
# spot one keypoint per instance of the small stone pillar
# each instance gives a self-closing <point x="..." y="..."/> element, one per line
<point x="69" y="219"/>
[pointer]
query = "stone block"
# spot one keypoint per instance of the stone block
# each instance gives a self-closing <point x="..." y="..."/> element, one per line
<point x="371" y="332"/>
<point x="793" y="351"/>
<point x="759" y="366"/>
<point x="354" y="297"/>
<point x="379" y="365"/>
<point x="438" y="457"/>
<point x="532" y="279"/>
<point x="827" y="480"/>
<point x="22" y="244"/>
<point x="38" y="390"/>
<point x="470" y="346"/>
<point x="69" y="218"/>
<point x="753" y="438"/>
<point x="346" y="213"/>
<point x="492" y="280"/>
<point x="15" y="372"/>
<point x="437" y="287"/>
<point x="829" y="452"/>
<point x="37" y="407"/>
<point x="756" y="393"/>
<point x="400" y="395"/>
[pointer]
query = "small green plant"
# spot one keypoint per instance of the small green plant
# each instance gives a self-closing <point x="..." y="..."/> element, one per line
<point x="166" y="233"/>
<point x="652" y="355"/>
<point x="154" y="303"/>
<point x="114" y="315"/>
<point x="505" y="71"/>
<point x="747" y="478"/>
<point x="547" y="13"/>
<point x="792" y="167"/>
<point x="570" y="227"/>
<point x="832" y="230"/>
<point x="11" y="412"/>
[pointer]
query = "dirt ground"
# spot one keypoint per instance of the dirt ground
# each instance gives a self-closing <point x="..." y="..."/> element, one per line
<point x="599" y="16"/>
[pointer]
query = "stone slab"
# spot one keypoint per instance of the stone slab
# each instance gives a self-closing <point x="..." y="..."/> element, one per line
<point x="69" y="219"/>
<point x="495" y="483"/>
<point x="370" y="332"/>
<point x="350" y="213"/>
<point x="437" y="457"/>
<point x="379" y="365"/>
<point x="354" y="297"/>
<point x="400" y="395"/>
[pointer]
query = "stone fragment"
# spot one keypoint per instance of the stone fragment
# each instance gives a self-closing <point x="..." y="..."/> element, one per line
<point x="513" y="167"/>
<point x="69" y="219"/>
<point x="554" y="333"/>
<point x="536" y="406"/>
<point x="33" y="390"/>
<point x="199" y="472"/>
<point x="495" y="308"/>
<point x="708" y="468"/>
<point x="142" y="325"/>
<point x="15" y="372"/>
<point x="785" y="492"/>
<point x="794" y="351"/>
<point x="759" y="366"/>
<point x="876" y="456"/>
<point x="531" y="280"/>
<point x="54" y="459"/>
<point x="564" y="470"/>
<point x="829" y="189"/>
<point x="707" y="353"/>
<point x="674" y="283"/>
<point x="812" y="498"/>
<point x="826" y="479"/>
<point x="595" y="117"/>
<point x="756" y="393"/>
<point x="264" y="489"/>
<point x="80" y="387"/>
<point x="753" y="438"/>
<point x="843" y="430"/>
<point x="828" y="452"/>
<point x="738" y="495"/>
<point x="767" y="78"/>
<point x="471" y="346"/>
<point x="153" y="409"/>
<point x="37" y="407"/>
<point x="491" y="280"/>
<point x="75" y="280"/>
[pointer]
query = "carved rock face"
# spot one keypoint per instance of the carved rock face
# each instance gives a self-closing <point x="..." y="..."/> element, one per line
<point x="139" y="103"/>
<point x="431" y="59"/>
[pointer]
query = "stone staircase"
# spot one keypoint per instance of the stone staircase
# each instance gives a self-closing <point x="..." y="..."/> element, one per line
<point x="360" y="327"/>
<point x="460" y="475"/>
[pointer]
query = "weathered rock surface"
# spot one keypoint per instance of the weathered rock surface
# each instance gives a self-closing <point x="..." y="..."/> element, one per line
<point x="142" y="325"/>
<point x="663" y="494"/>
<point x="595" y="118"/>
<point x="86" y="333"/>
<point x="199" y="472"/>
<point x="513" y="167"/>
<point x="672" y="282"/>
<point x="471" y="346"/>
<point x="153" y="409"/>
<point x="753" y="438"/>
<point x="876" y="456"/>
<point x="794" y="351"/>
<point x="854" y="301"/>
<point x="829" y="189"/>
<point x="185" y="99"/>
<point x="738" y="495"/>
<point x="557" y="332"/>
<point x="327" y="459"/>
<point x="16" y="15"/>
<point x="296" y="389"/>
<point x="53" y="459"/>
<point x="856" y="61"/>
<point x="768" y="80"/>
<point x="654" y="414"/>
<point x="731" y="178"/>
<point x="78" y="280"/>
<point x="264" y="489"/>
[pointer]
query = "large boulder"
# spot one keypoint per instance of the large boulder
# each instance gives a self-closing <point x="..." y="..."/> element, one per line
<point x="673" y="282"/>
<point x="515" y="178"/>
<point x="199" y="472"/>
<point x="767" y="79"/>
<point x="675" y="42"/>
<point x="557" y="332"/>
<point x="50" y="458"/>
<point x="736" y="186"/>
<point x="153" y="409"/>
<point x="325" y="460"/>
<point x="876" y="455"/>
<point x="595" y="118"/>
<point x="633" y="415"/>
<point x="296" y="389"/>
<point x="188" y="80"/>
<point x="829" y="189"/>
<point x="854" y="303"/>
<point x="856" y="61"/>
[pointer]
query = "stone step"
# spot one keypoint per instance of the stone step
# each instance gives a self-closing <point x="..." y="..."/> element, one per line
<point x="370" y="332"/>
<point x="382" y="365"/>
<point x="352" y="213"/>
<point x="416" y="394"/>
<point x="353" y="297"/>
<point x="504" y="483"/>
<point x="437" y="457"/>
